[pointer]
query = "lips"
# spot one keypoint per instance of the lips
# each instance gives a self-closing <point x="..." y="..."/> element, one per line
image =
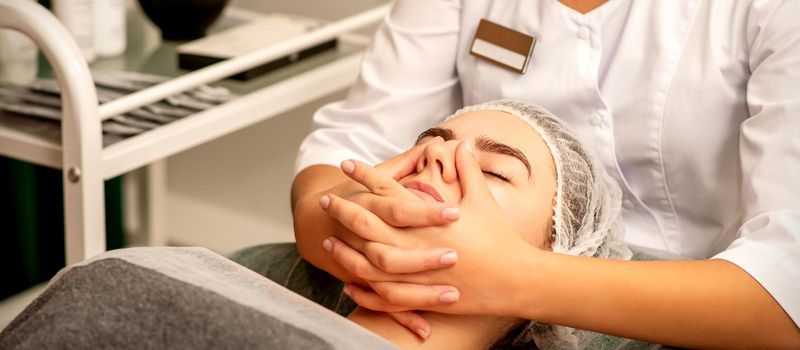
<point x="424" y="191"/>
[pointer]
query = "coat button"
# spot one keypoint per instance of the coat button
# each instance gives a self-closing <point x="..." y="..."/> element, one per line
<point x="595" y="119"/>
<point x="583" y="33"/>
<point x="627" y="204"/>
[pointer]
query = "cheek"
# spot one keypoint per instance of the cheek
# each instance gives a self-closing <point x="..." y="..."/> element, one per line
<point x="527" y="218"/>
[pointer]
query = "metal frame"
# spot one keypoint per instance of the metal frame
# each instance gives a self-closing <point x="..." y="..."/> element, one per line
<point x="84" y="212"/>
<point x="85" y="164"/>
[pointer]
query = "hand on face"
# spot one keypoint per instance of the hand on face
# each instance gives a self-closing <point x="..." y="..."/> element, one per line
<point x="379" y="195"/>
<point x="483" y="238"/>
<point x="378" y="192"/>
<point x="488" y="237"/>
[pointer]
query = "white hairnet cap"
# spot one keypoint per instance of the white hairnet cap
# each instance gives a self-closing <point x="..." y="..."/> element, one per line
<point x="586" y="214"/>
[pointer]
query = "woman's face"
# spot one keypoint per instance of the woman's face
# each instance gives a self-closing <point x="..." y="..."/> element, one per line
<point x="517" y="164"/>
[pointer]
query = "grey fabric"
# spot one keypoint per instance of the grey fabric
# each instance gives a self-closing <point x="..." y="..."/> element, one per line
<point x="282" y="263"/>
<point x="131" y="307"/>
<point x="176" y="298"/>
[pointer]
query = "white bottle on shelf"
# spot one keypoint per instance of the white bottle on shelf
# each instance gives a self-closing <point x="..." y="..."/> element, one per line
<point x="78" y="17"/>
<point x="109" y="27"/>
<point x="18" y="61"/>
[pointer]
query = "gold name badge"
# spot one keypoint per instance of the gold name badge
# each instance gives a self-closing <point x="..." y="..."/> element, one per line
<point x="502" y="46"/>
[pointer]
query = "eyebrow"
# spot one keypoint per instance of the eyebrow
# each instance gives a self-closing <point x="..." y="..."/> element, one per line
<point x="446" y="134"/>
<point x="482" y="143"/>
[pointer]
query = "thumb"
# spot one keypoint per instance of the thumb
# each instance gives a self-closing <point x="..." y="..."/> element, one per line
<point x="473" y="183"/>
<point x="403" y="164"/>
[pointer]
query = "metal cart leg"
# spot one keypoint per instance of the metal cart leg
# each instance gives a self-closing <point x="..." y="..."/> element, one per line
<point x="84" y="212"/>
<point x="156" y="200"/>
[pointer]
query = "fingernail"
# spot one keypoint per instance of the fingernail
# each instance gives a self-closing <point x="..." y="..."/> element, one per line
<point x="327" y="244"/>
<point x="324" y="202"/>
<point x="348" y="166"/>
<point x="423" y="333"/>
<point x="448" y="258"/>
<point x="346" y="290"/>
<point x="449" y="297"/>
<point x="450" y="213"/>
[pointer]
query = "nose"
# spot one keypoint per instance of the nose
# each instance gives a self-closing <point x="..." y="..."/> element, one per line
<point x="439" y="159"/>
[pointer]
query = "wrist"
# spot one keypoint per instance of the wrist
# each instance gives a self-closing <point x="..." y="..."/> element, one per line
<point x="310" y="225"/>
<point x="313" y="180"/>
<point x="528" y="285"/>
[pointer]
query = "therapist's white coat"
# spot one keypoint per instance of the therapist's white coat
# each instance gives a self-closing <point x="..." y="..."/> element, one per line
<point x="693" y="106"/>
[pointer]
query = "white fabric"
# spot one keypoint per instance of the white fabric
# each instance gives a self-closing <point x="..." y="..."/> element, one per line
<point x="586" y="214"/>
<point x="611" y="18"/>
<point x="699" y="112"/>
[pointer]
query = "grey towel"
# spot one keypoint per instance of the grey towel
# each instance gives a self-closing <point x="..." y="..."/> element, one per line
<point x="176" y="298"/>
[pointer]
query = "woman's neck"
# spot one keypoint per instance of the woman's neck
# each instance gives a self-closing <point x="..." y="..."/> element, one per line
<point x="447" y="331"/>
<point x="583" y="6"/>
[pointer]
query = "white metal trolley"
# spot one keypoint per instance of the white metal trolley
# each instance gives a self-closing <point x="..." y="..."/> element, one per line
<point x="86" y="164"/>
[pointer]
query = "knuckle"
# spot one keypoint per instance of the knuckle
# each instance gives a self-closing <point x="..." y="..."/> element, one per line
<point x="361" y="271"/>
<point x="373" y="254"/>
<point x="383" y="261"/>
<point x="396" y="214"/>
<point x="381" y="188"/>
<point x="387" y="262"/>
<point x="389" y="294"/>
<point x="361" y="222"/>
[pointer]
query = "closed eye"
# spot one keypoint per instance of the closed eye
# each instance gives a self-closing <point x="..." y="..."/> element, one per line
<point x="496" y="175"/>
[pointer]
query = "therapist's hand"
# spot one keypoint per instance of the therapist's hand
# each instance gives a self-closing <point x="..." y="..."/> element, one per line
<point x="396" y="262"/>
<point x="390" y="201"/>
<point x="376" y="191"/>
<point x="379" y="192"/>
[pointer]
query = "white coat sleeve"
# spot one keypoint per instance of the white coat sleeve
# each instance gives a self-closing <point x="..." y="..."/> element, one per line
<point x="768" y="243"/>
<point x="407" y="83"/>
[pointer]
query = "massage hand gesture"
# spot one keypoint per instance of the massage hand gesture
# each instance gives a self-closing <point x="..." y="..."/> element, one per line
<point x="399" y="228"/>
<point x="376" y="195"/>
<point x="401" y="261"/>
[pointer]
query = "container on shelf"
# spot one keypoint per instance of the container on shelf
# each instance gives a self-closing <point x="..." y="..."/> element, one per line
<point x="109" y="27"/>
<point x="18" y="63"/>
<point x="78" y="17"/>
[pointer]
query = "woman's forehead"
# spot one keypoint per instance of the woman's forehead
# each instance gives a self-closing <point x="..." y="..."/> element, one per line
<point x="507" y="129"/>
<point x="497" y="125"/>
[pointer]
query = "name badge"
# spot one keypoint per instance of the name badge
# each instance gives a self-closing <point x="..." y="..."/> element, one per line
<point x="502" y="46"/>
